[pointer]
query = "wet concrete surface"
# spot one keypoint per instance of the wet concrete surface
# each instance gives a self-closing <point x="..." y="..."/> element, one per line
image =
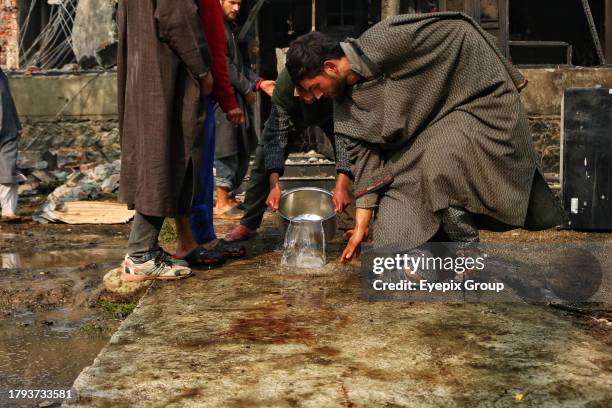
<point x="251" y="334"/>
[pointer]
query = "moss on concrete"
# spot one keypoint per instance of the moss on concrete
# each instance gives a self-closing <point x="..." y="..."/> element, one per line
<point x="117" y="310"/>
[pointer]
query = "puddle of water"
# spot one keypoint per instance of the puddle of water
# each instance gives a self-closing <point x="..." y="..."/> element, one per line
<point x="58" y="259"/>
<point x="46" y="350"/>
<point x="304" y="245"/>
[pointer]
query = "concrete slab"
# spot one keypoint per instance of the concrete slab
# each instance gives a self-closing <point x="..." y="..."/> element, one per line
<point x="253" y="335"/>
<point x="65" y="95"/>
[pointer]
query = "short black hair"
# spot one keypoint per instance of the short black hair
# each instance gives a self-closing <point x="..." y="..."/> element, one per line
<point x="307" y="54"/>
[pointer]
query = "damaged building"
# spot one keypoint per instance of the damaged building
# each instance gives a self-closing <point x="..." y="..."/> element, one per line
<point x="60" y="56"/>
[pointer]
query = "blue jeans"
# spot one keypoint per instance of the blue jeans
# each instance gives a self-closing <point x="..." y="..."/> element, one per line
<point x="202" y="210"/>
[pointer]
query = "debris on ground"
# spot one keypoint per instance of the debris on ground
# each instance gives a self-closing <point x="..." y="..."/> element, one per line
<point x="87" y="183"/>
<point x="45" y="171"/>
<point x="70" y="157"/>
<point x="311" y="157"/>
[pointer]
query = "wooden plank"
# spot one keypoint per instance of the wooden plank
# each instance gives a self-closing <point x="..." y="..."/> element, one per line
<point x="93" y="212"/>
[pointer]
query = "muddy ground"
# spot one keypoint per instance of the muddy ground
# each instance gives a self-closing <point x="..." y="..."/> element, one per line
<point x="54" y="314"/>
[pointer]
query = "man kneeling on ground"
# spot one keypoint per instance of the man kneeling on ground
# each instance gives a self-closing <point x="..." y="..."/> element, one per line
<point x="437" y="137"/>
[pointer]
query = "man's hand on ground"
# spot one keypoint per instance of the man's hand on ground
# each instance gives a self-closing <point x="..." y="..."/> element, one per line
<point x="353" y="248"/>
<point x="206" y="84"/>
<point x="267" y="87"/>
<point x="360" y="234"/>
<point x="250" y="98"/>
<point x="236" y="116"/>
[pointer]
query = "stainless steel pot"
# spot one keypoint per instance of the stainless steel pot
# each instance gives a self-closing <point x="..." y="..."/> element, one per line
<point x="307" y="200"/>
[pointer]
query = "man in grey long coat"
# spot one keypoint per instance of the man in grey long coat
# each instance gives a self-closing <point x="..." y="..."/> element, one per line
<point x="437" y="137"/>
<point x="9" y="132"/>
<point x="163" y="71"/>
<point x="234" y="145"/>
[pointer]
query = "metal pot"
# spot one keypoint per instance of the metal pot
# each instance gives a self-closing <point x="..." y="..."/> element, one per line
<point x="307" y="200"/>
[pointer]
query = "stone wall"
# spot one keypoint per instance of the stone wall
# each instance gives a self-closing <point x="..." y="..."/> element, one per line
<point x="544" y="93"/>
<point x="100" y="137"/>
<point x="57" y="95"/>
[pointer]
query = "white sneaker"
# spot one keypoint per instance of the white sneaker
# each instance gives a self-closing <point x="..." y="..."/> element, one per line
<point x="168" y="258"/>
<point x="153" y="266"/>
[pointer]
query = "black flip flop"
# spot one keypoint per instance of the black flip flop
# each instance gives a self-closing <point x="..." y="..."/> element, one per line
<point x="202" y="257"/>
<point x="230" y="249"/>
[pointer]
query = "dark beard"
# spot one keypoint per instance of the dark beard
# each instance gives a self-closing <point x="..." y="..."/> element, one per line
<point x="338" y="88"/>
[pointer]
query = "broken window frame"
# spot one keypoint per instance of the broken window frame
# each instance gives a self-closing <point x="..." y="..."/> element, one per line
<point x="358" y="9"/>
<point x="602" y="48"/>
<point x="498" y="27"/>
<point x="51" y="47"/>
<point x="416" y="6"/>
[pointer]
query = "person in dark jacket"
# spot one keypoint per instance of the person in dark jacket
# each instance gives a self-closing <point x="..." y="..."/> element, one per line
<point x="435" y="130"/>
<point x="223" y="93"/>
<point x="235" y="144"/>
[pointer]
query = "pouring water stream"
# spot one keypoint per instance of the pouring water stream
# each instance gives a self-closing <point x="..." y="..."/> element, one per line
<point x="304" y="245"/>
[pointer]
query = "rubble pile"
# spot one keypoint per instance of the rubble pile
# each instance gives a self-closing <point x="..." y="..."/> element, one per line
<point x="45" y="171"/>
<point x="69" y="173"/>
<point x="85" y="184"/>
<point x="99" y="139"/>
<point x="310" y="157"/>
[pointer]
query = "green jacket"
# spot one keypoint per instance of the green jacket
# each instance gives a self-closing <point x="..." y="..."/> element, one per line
<point x="289" y="117"/>
<point x="319" y="113"/>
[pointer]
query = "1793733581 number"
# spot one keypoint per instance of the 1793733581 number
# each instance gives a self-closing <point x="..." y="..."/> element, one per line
<point x="36" y="394"/>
